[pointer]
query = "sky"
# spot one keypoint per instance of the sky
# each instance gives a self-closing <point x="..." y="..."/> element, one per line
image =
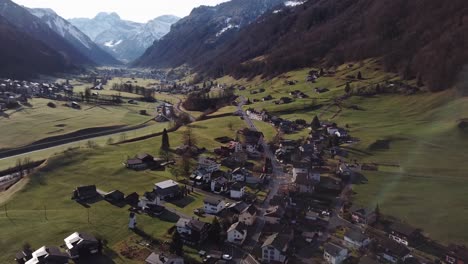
<point x="133" y="10"/>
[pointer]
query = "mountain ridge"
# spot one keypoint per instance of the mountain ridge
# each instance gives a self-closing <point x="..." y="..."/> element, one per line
<point x="125" y="40"/>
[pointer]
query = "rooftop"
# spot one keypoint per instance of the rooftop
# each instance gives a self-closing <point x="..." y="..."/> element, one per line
<point x="166" y="184"/>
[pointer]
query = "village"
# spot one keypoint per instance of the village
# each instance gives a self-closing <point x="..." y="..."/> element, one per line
<point x="287" y="201"/>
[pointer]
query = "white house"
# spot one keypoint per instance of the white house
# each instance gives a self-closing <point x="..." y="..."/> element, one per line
<point x="239" y="174"/>
<point x="237" y="191"/>
<point x="275" y="248"/>
<point x="334" y="254"/>
<point x="183" y="226"/>
<point x="200" y="176"/>
<point x="248" y="215"/>
<point x="208" y="164"/>
<point x="356" y="240"/>
<point x="237" y="233"/>
<point x="149" y="198"/>
<point x="213" y="205"/>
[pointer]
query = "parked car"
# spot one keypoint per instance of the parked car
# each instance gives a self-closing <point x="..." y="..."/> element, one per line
<point x="227" y="257"/>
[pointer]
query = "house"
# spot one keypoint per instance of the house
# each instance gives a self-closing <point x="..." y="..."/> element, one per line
<point x="213" y="205"/>
<point x="219" y="185"/>
<point x="275" y="248"/>
<point x="115" y="196"/>
<point x="208" y="164"/>
<point x="392" y="251"/>
<point x="192" y="231"/>
<point x="403" y="233"/>
<point x="167" y="189"/>
<point x="141" y="161"/>
<point x="304" y="183"/>
<point x="162" y="258"/>
<point x="85" y="193"/>
<point x="237" y="233"/>
<point x="149" y="198"/>
<point x="456" y="254"/>
<point x="79" y="244"/>
<point x="251" y="137"/>
<point x="240" y="174"/>
<point x="334" y="254"/>
<point x="23" y="256"/>
<point x="47" y="254"/>
<point x="248" y="215"/>
<point x="362" y="215"/>
<point x="200" y="176"/>
<point x="274" y="214"/>
<point x="237" y="191"/>
<point x="356" y="240"/>
<point x="288" y="145"/>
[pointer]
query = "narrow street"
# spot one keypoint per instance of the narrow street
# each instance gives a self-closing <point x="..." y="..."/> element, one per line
<point x="278" y="178"/>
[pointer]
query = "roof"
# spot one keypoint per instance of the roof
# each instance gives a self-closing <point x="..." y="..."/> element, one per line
<point x="182" y="222"/>
<point x="134" y="161"/>
<point x="78" y="238"/>
<point x="166" y="184"/>
<point x="333" y="249"/>
<point x="212" y="200"/>
<point x="197" y="225"/>
<point x="237" y="186"/>
<point x="249" y="260"/>
<point x="393" y="247"/>
<point x="368" y="260"/>
<point x="154" y="258"/>
<point x="356" y="236"/>
<point x="278" y="241"/>
<point x="252" y="210"/>
<point x="240" y="227"/>
<point x="239" y="207"/>
<point x="143" y="156"/>
<point x="362" y="211"/>
<point x="275" y="211"/>
<point x="403" y="229"/>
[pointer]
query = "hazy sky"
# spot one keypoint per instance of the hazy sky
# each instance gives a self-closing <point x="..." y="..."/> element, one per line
<point x="134" y="10"/>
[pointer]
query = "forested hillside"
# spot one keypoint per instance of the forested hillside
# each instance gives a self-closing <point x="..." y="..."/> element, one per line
<point x="423" y="39"/>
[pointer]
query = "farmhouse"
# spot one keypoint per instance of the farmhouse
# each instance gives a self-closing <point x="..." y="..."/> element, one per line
<point x="141" y="162"/>
<point x="237" y="233"/>
<point x="356" y="240"/>
<point x="47" y="254"/>
<point x="162" y="258"/>
<point x="403" y="234"/>
<point x="392" y="251"/>
<point x="240" y="174"/>
<point x="81" y="243"/>
<point x="248" y="215"/>
<point x="200" y="176"/>
<point x="362" y="215"/>
<point x="193" y="232"/>
<point x="275" y="248"/>
<point x="85" y="192"/>
<point x="219" y="185"/>
<point x="213" y="205"/>
<point x="274" y="214"/>
<point x="167" y="189"/>
<point x="334" y="254"/>
<point x="456" y="254"/>
<point x="237" y="191"/>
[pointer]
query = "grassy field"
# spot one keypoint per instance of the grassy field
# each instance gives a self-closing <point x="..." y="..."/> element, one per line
<point x="38" y="121"/>
<point x="43" y="207"/>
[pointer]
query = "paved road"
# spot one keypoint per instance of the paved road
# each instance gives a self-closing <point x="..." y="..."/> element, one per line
<point x="278" y="178"/>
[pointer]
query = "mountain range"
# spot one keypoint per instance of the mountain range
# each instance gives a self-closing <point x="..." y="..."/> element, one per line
<point x="124" y="39"/>
<point x="193" y="38"/>
<point x="74" y="36"/>
<point x="23" y="56"/>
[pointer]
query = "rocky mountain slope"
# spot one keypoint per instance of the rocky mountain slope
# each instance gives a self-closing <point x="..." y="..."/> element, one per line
<point x="23" y="56"/>
<point x="74" y="36"/>
<point x="125" y="40"/>
<point x="194" y="37"/>
<point x="31" y="25"/>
